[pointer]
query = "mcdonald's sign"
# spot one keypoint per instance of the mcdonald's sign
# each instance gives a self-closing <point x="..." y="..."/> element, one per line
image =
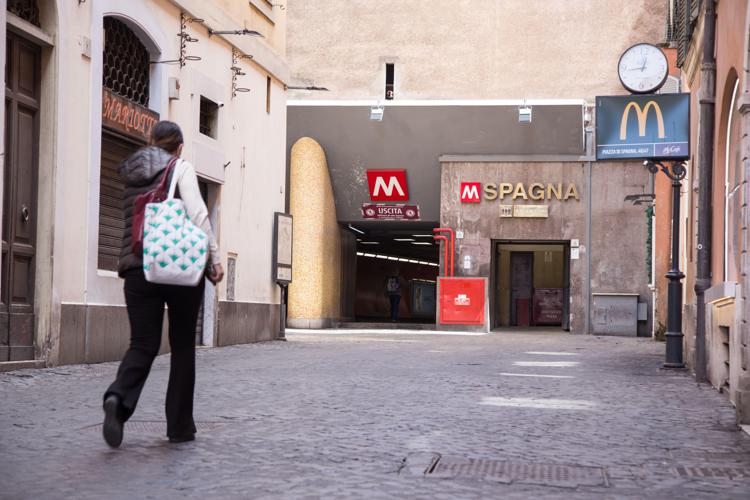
<point x="651" y="126"/>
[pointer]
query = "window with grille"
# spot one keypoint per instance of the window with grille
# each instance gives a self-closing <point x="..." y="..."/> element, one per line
<point x="126" y="62"/>
<point x="28" y="10"/>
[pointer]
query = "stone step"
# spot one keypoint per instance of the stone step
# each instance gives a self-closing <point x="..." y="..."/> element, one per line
<point x="9" y="366"/>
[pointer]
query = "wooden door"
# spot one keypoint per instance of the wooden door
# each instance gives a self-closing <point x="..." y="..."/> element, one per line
<point x="22" y="93"/>
<point x="521" y="287"/>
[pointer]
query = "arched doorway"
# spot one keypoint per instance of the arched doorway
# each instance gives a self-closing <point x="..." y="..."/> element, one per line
<point x="126" y="123"/>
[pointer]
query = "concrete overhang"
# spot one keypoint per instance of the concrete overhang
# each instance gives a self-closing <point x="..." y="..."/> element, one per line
<point x="413" y="135"/>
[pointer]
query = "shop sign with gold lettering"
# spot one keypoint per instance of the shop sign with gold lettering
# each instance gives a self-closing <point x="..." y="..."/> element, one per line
<point x="536" y="191"/>
<point x="531" y="211"/>
<point x="525" y="211"/>
<point x="506" y="210"/>
<point x="126" y="116"/>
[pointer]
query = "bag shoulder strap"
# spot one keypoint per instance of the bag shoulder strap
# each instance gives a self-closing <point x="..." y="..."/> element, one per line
<point x="162" y="186"/>
<point x="175" y="177"/>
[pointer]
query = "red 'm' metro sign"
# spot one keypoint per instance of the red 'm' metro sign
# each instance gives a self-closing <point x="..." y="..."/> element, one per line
<point x="470" y="192"/>
<point x="387" y="185"/>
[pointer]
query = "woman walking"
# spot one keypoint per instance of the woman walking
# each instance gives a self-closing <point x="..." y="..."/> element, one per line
<point x="145" y="301"/>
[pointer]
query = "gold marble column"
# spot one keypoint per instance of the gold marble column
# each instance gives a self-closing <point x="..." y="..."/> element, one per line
<point x="314" y="295"/>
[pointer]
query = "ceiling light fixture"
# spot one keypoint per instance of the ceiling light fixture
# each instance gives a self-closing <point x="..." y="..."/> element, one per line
<point x="376" y="112"/>
<point x="356" y="230"/>
<point x="421" y="243"/>
<point x="403" y="239"/>
<point x="524" y="113"/>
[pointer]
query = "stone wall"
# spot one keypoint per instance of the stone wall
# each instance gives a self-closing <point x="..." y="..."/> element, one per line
<point x="618" y="232"/>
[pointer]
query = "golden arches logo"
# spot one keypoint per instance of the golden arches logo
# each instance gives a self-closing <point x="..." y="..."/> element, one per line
<point x="642" y="115"/>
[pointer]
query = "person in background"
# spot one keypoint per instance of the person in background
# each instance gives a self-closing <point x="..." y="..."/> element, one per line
<point x="145" y="301"/>
<point x="393" y="290"/>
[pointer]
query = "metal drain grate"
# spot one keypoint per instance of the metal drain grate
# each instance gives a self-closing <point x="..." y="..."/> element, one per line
<point x="713" y="472"/>
<point x="157" y="427"/>
<point x="506" y="471"/>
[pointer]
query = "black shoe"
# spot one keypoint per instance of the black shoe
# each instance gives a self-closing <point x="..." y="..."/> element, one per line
<point x="112" y="428"/>
<point x="182" y="439"/>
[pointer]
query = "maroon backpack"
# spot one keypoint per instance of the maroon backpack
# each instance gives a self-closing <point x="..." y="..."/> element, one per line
<point x="156" y="195"/>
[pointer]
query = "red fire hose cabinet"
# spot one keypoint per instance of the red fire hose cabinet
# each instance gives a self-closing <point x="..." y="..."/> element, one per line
<point x="463" y="302"/>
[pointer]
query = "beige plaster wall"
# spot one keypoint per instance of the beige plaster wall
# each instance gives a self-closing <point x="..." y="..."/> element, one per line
<point x="259" y="15"/>
<point x="248" y="190"/>
<point x="724" y="345"/>
<point x="252" y="140"/>
<point x="467" y="49"/>
<point x="314" y="295"/>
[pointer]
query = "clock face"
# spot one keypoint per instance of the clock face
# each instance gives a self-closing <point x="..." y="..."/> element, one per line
<point x="643" y="68"/>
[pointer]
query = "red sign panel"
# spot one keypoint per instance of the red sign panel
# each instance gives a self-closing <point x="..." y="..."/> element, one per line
<point x="126" y="116"/>
<point x="387" y="185"/>
<point x="470" y="192"/>
<point x="390" y="212"/>
<point x="462" y="301"/>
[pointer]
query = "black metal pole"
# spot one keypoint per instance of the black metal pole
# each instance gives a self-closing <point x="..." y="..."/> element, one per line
<point x="674" y="358"/>
<point x="282" y="312"/>
<point x="674" y="299"/>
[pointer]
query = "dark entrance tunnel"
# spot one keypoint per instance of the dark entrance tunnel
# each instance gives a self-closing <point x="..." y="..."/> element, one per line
<point x="388" y="251"/>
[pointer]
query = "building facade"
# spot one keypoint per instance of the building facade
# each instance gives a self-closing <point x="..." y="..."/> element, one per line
<point x="486" y="95"/>
<point x="716" y="219"/>
<point x="85" y="82"/>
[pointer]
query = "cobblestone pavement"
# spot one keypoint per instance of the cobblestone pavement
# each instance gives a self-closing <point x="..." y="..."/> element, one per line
<point x="337" y="416"/>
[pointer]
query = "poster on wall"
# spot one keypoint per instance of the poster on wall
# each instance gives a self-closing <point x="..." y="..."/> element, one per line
<point x="282" y="248"/>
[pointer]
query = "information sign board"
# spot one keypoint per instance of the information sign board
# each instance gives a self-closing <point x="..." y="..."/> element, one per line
<point x="649" y="127"/>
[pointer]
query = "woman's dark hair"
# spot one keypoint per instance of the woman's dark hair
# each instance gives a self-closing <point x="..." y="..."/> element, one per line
<point x="166" y="135"/>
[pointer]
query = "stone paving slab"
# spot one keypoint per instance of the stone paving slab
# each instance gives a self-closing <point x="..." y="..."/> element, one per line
<point x="336" y="416"/>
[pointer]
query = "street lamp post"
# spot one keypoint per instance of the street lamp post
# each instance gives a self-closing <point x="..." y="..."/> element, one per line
<point x="676" y="172"/>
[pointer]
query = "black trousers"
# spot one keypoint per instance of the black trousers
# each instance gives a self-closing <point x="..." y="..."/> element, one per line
<point x="145" y="303"/>
<point x="395" y="299"/>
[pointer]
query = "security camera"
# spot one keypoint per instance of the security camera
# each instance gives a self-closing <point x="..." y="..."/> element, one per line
<point x="220" y="104"/>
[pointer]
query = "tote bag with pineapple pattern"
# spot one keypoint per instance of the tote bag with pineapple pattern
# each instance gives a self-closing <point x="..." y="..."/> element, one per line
<point x="174" y="249"/>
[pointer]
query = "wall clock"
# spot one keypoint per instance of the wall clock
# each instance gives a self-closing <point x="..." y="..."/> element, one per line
<point x="643" y="68"/>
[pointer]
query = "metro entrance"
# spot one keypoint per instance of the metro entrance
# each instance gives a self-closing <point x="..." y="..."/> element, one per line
<point x="393" y="250"/>
<point x="530" y="284"/>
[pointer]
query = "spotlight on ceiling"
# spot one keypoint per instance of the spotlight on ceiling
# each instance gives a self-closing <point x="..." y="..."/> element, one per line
<point x="524" y="114"/>
<point x="376" y="113"/>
